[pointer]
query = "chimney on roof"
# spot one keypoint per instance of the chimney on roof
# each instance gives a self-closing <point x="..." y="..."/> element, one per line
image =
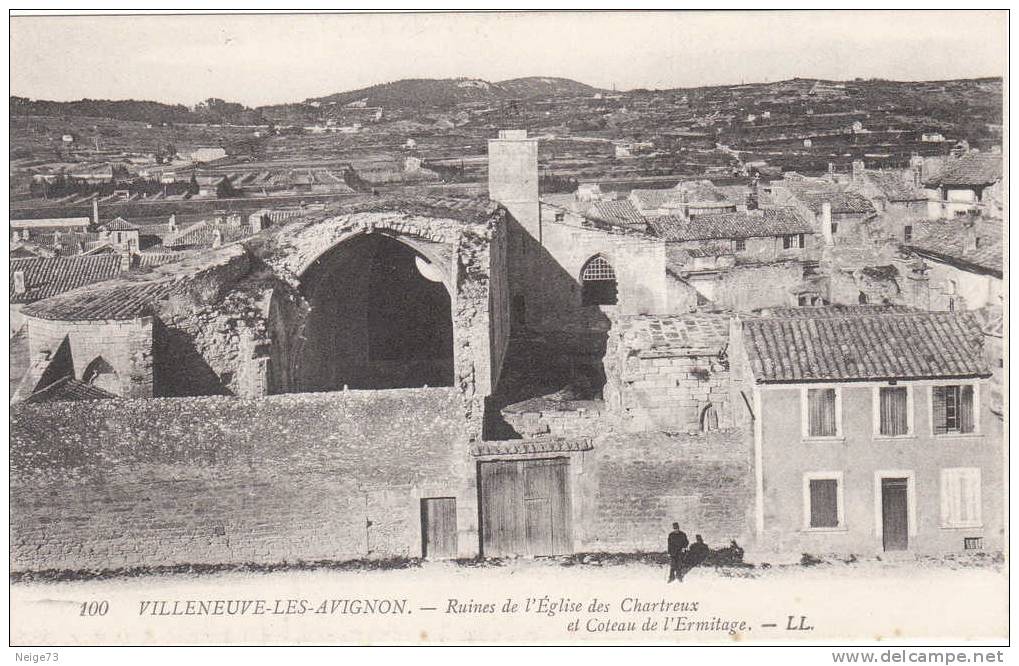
<point x="125" y="261"/>
<point x="26" y="234"/>
<point x="171" y="225"/>
<point x="95" y="211"/>
<point x="858" y="167"/>
<point x="916" y="166"/>
<point x="16" y="237"/>
<point x="826" y="224"/>
<point x="19" y="282"/>
<point x="217" y="238"/>
<point x="56" y="238"/>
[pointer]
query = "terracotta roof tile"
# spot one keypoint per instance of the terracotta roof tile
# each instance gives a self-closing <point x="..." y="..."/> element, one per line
<point x="863" y="343"/>
<point x="617" y="212"/>
<point x="980" y="246"/>
<point x="748" y="224"/>
<point x="968" y="169"/>
<point x="46" y="277"/>
<point x="69" y="388"/>
<point x="116" y="300"/>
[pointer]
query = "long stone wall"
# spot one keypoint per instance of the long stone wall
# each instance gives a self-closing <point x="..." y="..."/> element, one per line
<point x="221" y="480"/>
<point x="643" y="482"/>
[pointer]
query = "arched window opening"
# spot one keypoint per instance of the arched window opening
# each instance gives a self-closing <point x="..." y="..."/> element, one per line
<point x="709" y="418"/>
<point x="101" y="374"/>
<point x="598" y="282"/>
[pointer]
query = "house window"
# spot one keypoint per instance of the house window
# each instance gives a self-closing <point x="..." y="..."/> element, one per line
<point x="822" y="495"/>
<point x="960" y="497"/>
<point x="822" y="413"/>
<point x="560" y="217"/>
<point x="952" y="409"/>
<point x="739" y="245"/>
<point x="973" y="543"/>
<point x="862" y="298"/>
<point x="598" y="282"/>
<point x="792" y="241"/>
<point x="894" y="411"/>
<point x="834" y="228"/>
<point x="907" y="233"/>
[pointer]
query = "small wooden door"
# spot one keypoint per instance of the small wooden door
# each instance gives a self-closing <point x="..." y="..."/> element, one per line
<point x="525" y="507"/>
<point x="438" y="528"/>
<point x="895" y="514"/>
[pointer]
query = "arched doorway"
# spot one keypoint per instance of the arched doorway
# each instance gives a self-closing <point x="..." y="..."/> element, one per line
<point x="381" y="317"/>
<point x="101" y="374"/>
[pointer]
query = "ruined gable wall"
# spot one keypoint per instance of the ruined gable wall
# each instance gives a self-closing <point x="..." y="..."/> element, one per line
<point x="218" y="480"/>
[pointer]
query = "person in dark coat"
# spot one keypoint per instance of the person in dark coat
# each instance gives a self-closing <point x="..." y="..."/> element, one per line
<point x="698" y="552"/>
<point x="677" y="544"/>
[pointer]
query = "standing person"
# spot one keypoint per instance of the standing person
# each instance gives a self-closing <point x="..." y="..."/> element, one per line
<point x="677" y="544"/>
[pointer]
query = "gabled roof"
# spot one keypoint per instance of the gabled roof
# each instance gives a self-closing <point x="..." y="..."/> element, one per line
<point x="746" y="224"/>
<point x="863" y="343"/>
<point x="979" y="247"/>
<point x="971" y="169"/>
<point x="46" y="277"/>
<point x="69" y="388"/>
<point x="119" y="224"/>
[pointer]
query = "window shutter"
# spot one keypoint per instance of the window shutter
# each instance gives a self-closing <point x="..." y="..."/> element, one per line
<point x="894" y="416"/>
<point x="824" y="503"/>
<point x="966" y="409"/>
<point x="938" y="417"/>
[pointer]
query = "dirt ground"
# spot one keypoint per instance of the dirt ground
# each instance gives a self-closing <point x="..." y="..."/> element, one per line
<point x="604" y="600"/>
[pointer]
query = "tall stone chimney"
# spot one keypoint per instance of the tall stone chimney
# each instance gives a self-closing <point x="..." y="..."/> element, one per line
<point x="125" y="261"/>
<point x="217" y="238"/>
<point x="171" y="224"/>
<point x="19" y="282"/>
<point x="829" y="237"/>
<point x="95" y="211"/>
<point x="513" y="177"/>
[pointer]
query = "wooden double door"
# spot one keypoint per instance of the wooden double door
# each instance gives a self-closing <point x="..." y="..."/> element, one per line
<point x="525" y="507"/>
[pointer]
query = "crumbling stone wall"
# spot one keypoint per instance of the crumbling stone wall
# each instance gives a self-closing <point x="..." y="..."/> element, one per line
<point x="222" y="480"/>
<point x="125" y="346"/>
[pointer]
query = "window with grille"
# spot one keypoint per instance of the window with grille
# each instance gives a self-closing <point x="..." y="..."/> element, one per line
<point x="960" y="497"/>
<point x="739" y="245"/>
<point x="824" y="502"/>
<point x="952" y="409"/>
<point x="822" y="416"/>
<point x="973" y="543"/>
<point x="893" y="410"/>
<point x="907" y="233"/>
<point x="598" y="282"/>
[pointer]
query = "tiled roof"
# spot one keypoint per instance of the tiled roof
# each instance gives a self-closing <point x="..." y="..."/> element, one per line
<point x="747" y="224"/>
<point x="842" y="202"/>
<point x="864" y="343"/>
<point x="968" y="169"/>
<point x="671" y="335"/>
<point x="618" y="212"/>
<point x="46" y="277"/>
<point x="117" y="300"/>
<point x="950" y="241"/>
<point x="69" y="388"/>
<point x="894" y="186"/>
<point x="200" y="235"/>
<point x="119" y="224"/>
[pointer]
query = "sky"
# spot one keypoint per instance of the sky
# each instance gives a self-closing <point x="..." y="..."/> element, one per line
<point x="272" y="59"/>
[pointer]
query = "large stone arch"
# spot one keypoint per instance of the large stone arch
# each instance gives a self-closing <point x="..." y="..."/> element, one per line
<point x="455" y="249"/>
<point x="381" y="316"/>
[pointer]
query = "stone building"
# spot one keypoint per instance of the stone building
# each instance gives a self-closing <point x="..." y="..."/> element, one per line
<point x="889" y="445"/>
